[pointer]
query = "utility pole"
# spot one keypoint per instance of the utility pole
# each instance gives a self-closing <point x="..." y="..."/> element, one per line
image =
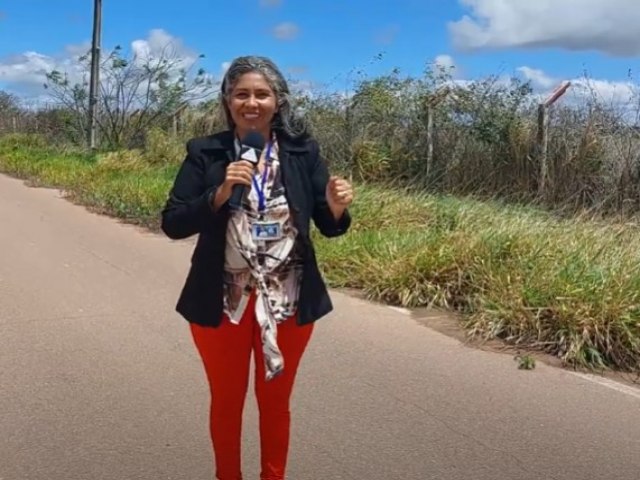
<point x="95" y="72"/>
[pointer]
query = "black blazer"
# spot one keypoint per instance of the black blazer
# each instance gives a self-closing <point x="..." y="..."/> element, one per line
<point x="187" y="212"/>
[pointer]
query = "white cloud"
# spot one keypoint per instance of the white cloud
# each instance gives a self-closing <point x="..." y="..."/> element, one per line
<point x="286" y="31"/>
<point x="622" y="95"/>
<point x="609" y="26"/>
<point x="607" y="92"/>
<point x="537" y="77"/>
<point x="446" y="62"/>
<point x="302" y="87"/>
<point x="77" y="50"/>
<point x="28" y="67"/>
<point x="446" y="65"/>
<point x="161" y="44"/>
<point x="25" y="73"/>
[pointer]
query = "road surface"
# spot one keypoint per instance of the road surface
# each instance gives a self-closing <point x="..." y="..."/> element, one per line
<point x="99" y="378"/>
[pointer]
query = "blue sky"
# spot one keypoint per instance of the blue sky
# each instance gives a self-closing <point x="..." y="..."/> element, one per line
<point x="321" y="41"/>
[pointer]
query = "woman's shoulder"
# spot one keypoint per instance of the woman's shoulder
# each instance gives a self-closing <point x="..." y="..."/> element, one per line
<point x="218" y="140"/>
<point x="303" y="144"/>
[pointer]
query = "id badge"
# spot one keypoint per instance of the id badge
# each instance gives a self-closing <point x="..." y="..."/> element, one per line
<point x="266" y="231"/>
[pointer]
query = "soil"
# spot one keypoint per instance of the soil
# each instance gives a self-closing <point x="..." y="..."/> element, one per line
<point x="450" y="324"/>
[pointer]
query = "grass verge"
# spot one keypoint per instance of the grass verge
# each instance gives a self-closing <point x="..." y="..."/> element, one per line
<point x="566" y="287"/>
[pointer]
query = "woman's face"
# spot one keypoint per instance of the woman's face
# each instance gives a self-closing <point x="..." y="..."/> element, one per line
<point x="252" y="104"/>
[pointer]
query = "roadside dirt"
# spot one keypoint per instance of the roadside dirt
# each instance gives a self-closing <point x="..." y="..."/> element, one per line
<point x="451" y="324"/>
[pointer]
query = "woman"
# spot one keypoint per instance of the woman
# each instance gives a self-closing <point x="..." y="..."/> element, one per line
<point x="254" y="284"/>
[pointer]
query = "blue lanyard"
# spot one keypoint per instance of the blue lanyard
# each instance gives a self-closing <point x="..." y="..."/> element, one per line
<point x="262" y="200"/>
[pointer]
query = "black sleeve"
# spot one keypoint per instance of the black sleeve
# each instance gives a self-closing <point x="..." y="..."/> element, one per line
<point x="322" y="216"/>
<point x="188" y="209"/>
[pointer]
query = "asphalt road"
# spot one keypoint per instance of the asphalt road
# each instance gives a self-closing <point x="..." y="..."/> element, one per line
<point x="99" y="378"/>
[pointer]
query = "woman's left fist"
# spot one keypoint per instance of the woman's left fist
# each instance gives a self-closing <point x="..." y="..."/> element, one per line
<point x="339" y="192"/>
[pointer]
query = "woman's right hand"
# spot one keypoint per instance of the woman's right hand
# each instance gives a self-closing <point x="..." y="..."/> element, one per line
<point x="238" y="173"/>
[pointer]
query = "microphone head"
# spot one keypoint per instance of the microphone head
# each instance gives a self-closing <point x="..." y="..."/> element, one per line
<point x="251" y="147"/>
<point x="254" y="140"/>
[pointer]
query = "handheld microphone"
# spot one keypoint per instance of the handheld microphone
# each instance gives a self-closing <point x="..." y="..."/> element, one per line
<point x="251" y="147"/>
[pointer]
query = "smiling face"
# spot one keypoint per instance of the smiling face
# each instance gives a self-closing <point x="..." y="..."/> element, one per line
<point x="252" y="104"/>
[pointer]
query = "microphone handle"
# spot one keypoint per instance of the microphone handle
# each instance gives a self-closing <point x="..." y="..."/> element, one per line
<point x="235" y="202"/>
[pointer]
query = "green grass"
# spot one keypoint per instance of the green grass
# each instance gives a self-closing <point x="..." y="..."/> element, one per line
<point x="567" y="287"/>
<point x="132" y="190"/>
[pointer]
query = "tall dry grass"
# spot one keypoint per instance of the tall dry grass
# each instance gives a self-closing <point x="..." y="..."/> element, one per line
<point x="468" y="234"/>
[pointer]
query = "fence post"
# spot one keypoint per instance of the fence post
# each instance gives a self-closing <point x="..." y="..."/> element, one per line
<point x="543" y="145"/>
<point x="543" y="136"/>
<point x="176" y="118"/>
<point x="174" y="125"/>
<point x="432" y="101"/>
<point x="429" y="139"/>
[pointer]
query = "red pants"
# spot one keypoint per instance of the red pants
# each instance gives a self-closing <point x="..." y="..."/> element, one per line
<point x="226" y="353"/>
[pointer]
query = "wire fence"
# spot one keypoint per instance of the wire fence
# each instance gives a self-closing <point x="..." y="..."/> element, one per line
<point x="487" y="139"/>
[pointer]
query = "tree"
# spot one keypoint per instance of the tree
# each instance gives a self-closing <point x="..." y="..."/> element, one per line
<point x="8" y="103"/>
<point x="9" y="109"/>
<point x="136" y="93"/>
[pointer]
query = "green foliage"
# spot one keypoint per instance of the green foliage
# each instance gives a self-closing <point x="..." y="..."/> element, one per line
<point x="525" y="362"/>
<point x="161" y="149"/>
<point x="136" y="94"/>
<point x="9" y="104"/>
<point x="17" y="141"/>
<point x="122" y="160"/>
<point x="483" y="139"/>
<point x="568" y="287"/>
<point x="564" y="285"/>
<point x="370" y="161"/>
<point x="491" y="108"/>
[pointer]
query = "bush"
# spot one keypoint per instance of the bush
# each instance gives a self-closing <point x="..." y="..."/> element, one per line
<point x="132" y="160"/>
<point x="565" y="286"/>
<point x="16" y="141"/>
<point x="161" y="149"/>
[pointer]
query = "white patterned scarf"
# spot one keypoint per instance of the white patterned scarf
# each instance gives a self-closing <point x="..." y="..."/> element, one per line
<point x="272" y="267"/>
